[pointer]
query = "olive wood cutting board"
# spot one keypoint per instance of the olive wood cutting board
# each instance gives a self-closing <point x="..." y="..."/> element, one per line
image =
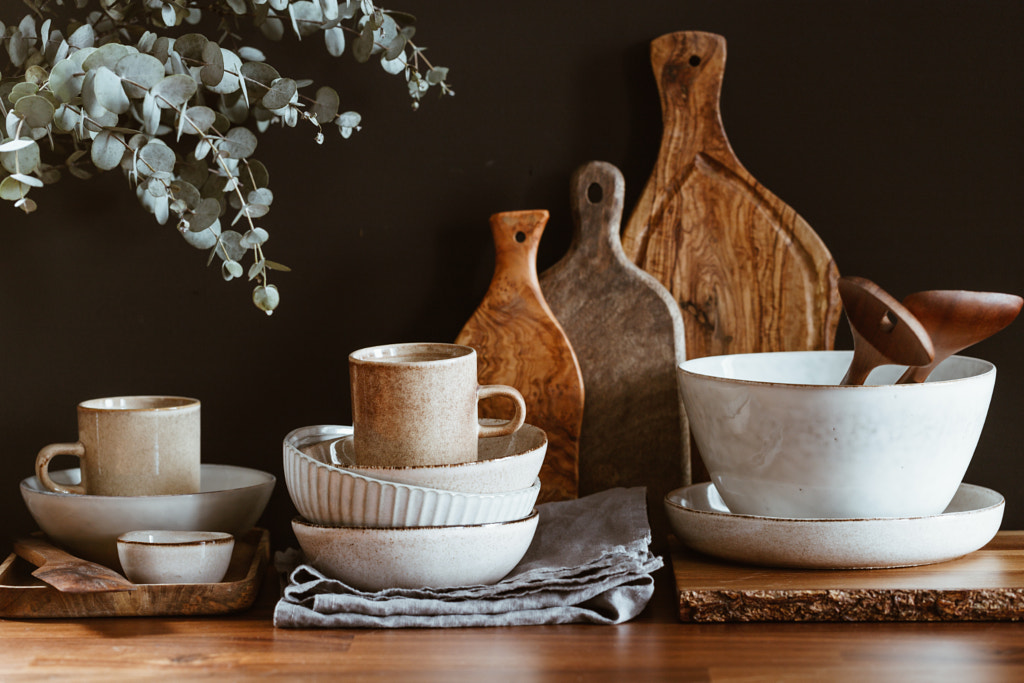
<point x="519" y="342"/>
<point x="627" y="332"/>
<point x="24" y="596"/>
<point x="748" y="272"/>
<point x="986" y="585"/>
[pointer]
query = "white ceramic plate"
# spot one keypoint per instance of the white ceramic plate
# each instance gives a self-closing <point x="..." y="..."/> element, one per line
<point x="702" y="521"/>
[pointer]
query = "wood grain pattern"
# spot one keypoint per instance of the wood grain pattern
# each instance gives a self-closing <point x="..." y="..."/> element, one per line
<point x="653" y="647"/>
<point x="519" y="342"/>
<point x="22" y="596"/>
<point x="68" y="573"/>
<point x="748" y="272"/>
<point x="627" y="332"/>
<point x="986" y="585"/>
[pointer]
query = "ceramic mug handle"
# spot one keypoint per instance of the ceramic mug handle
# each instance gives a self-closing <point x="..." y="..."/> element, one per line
<point x="489" y="390"/>
<point x="47" y="454"/>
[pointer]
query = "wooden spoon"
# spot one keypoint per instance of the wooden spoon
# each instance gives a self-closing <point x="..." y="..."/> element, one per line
<point x="67" y="573"/>
<point x="884" y="331"/>
<point x="956" y="319"/>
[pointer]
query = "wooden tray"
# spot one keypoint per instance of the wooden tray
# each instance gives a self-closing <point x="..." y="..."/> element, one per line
<point x="22" y="595"/>
<point x="986" y="585"/>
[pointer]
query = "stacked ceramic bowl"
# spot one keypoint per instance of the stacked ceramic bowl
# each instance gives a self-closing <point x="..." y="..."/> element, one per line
<point x="376" y="527"/>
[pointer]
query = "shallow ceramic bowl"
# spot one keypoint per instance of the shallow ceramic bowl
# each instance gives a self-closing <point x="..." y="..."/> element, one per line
<point x="338" y="497"/>
<point x="504" y="463"/>
<point x="231" y="499"/>
<point x="161" y="556"/>
<point x="422" y="557"/>
<point x="700" y="519"/>
<point x="780" y="438"/>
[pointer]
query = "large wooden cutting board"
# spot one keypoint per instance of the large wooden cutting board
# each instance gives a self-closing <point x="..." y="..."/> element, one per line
<point x="627" y="332"/>
<point x="748" y="272"/>
<point x="520" y="342"/>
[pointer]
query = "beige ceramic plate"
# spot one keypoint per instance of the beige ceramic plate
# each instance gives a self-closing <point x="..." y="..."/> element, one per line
<point x="702" y="521"/>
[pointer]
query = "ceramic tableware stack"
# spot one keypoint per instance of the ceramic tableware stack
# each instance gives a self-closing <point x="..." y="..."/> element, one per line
<point x="810" y="470"/>
<point x="140" y="469"/>
<point x="418" y="492"/>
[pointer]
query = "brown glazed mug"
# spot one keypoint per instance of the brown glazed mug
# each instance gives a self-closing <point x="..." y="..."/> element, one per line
<point x="131" y="446"/>
<point x="416" y="404"/>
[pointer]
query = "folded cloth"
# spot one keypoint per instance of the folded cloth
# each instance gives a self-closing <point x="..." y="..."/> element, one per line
<point x="590" y="561"/>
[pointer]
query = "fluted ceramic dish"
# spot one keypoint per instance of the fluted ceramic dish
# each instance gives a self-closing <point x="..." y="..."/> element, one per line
<point x="701" y="519"/>
<point x="504" y="463"/>
<point x="424" y="557"/>
<point x="337" y="497"/>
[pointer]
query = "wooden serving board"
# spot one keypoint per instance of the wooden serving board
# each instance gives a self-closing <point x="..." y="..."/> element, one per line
<point x="520" y="343"/>
<point x="986" y="585"/>
<point x="23" y="596"/>
<point x="748" y="272"/>
<point x="627" y="332"/>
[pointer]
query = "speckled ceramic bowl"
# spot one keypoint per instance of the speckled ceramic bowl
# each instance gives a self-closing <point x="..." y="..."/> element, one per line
<point x="338" y="497"/>
<point x="231" y="500"/>
<point x="780" y="438"/>
<point x="504" y="463"/>
<point x="424" y="557"/>
<point x="161" y="556"/>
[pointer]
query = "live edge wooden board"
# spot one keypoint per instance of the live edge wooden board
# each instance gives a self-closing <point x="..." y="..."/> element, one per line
<point x="986" y="585"/>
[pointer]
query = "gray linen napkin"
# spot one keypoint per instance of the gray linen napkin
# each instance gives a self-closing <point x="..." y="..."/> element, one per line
<point x="590" y="561"/>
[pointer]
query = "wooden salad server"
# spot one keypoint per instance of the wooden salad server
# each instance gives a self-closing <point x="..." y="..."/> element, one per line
<point x="956" y="319"/>
<point x="67" y="573"/>
<point x="884" y="331"/>
<point x="519" y="342"/>
<point x="627" y="332"/>
<point x="748" y="272"/>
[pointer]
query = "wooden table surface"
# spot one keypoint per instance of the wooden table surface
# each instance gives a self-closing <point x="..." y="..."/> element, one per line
<point x="655" y="646"/>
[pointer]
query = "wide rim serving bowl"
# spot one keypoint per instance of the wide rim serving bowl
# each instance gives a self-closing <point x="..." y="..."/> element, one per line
<point x="374" y="559"/>
<point x="505" y="463"/>
<point x="781" y="438"/>
<point x="231" y="499"/>
<point x="339" y="497"/>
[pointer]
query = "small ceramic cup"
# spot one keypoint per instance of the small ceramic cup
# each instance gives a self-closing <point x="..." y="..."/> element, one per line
<point x="416" y="404"/>
<point x="175" y="556"/>
<point x="131" y="446"/>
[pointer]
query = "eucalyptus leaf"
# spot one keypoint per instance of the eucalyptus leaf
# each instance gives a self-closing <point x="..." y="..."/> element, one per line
<point x="140" y="72"/>
<point x="229" y="246"/>
<point x="24" y="159"/>
<point x="259" y="77"/>
<point x="27" y="179"/>
<point x="334" y="38"/>
<point x="207" y="211"/>
<point x="437" y="74"/>
<point x="172" y="92"/>
<point x="108" y="90"/>
<point x="239" y="143"/>
<point x="280" y="94"/>
<point x="362" y="46"/>
<point x="232" y="65"/>
<point x="190" y="46"/>
<point x="158" y="157"/>
<point x="11" y="189"/>
<point x="66" y="80"/>
<point x="256" y="236"/>
<point x="107" y="55"/>
<point x="199" y="120"/>
<point x="213" y="64"/>
<point x="203" y="239"/>
<point x="187" y="192"/>
<point x="84" y="36"/>
<point x="106" y="150"/>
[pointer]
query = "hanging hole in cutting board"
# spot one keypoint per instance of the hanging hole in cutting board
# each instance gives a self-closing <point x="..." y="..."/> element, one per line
<point x="520" y="237"/>
<point x="695" y="61"/>
<point x="595" y="193"/>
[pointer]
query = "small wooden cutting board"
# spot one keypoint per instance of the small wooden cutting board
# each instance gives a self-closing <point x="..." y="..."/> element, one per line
<point x="519" y="342"/>
<point x="748" y="272"/>
<point x="627" y="332"/>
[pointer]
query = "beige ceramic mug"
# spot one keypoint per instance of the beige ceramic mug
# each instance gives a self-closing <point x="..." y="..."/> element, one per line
<point x="416" y="404"/>
<point x="131" y="446"/>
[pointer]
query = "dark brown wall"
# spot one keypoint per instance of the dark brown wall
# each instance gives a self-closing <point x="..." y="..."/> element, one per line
<point x="894" y="128"/>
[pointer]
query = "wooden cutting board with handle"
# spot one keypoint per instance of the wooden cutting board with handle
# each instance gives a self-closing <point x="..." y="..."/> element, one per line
<point x="627" y="332"/>
<point x="519" y="342"/>
<point x="748" y="272"/>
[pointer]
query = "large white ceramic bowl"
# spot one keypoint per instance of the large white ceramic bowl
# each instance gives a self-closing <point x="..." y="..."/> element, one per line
<point x="780" y="438"/>
<point x="231" y="499"/>
<point x="333" y="496"/>
<point x="424" y="557"/>
<point x="504" y="463"/>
